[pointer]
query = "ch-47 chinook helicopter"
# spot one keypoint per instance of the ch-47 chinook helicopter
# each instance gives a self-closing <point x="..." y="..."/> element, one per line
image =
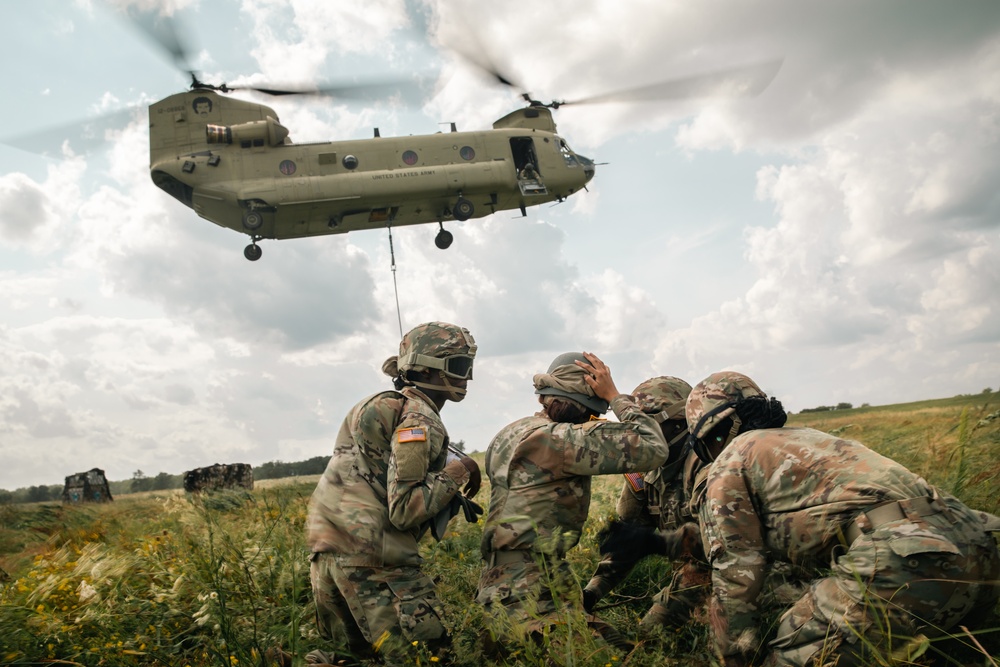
<point x="232" y="162"/>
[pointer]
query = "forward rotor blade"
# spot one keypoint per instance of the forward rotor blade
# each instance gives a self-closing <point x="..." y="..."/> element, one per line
<point x="746" y="81"/>
<point x="408" y="88"/>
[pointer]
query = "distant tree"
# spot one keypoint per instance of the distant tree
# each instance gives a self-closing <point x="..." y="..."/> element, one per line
<point x="458" y="444"/>
<point x="6" y="497"/>
<point x="140" y="482"/>
<point x="866" y="405"/>
<point x="37" y="494"/>
<point x="987" y="391"/>
<point x="820" y="408"/>
<point x="843" y="406"/>
<point x="162" y="481"/>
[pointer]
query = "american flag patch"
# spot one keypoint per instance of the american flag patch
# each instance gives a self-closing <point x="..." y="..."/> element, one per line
<point x="411" y="435"/>
<point x="634" y="480"/>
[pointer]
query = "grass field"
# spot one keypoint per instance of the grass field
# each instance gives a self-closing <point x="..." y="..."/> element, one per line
<point x="164" y="578"/>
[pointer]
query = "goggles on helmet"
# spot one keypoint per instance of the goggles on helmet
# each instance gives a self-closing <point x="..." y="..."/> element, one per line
<point x="702" y="448"/>
<point x="457" y="366"/>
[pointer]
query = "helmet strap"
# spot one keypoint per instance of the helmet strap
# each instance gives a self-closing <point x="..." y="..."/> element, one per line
<point x="454" y="393"/>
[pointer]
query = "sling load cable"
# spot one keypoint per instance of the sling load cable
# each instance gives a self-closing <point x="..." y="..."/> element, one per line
<point x="395" y="289"/>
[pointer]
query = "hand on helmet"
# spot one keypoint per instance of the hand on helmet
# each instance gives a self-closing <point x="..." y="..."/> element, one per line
<point x="598" y="377"/>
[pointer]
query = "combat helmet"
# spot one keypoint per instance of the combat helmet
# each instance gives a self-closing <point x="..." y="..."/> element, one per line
<point x="664" y="398"/>
<point x="713" y="400"/>
<point x="564" y="378"/>
<point x="434" y="346"/>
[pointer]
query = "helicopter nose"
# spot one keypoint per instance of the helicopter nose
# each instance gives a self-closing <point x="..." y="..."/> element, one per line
<point x="588" y="167"/>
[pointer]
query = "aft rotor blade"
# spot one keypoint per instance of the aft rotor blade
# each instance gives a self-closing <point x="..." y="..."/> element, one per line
<point x="162" y="30"/>
<point x="82" y="136"/>
<point x="746" y="81"/>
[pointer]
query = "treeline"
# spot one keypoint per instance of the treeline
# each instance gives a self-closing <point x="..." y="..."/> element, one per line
<point x="826" y="408"/>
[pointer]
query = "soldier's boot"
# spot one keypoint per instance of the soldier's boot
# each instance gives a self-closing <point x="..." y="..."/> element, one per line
<point x="609" y="634"/>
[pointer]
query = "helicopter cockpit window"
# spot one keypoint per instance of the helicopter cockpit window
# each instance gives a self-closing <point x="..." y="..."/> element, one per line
<point x="568" y="155"/>
<point x="350" y="162"/>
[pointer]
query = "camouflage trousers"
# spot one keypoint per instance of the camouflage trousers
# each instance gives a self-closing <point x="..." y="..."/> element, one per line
<point x="532" y="596"/>
<point x="376" y="610"/>
<point x="899" y="580"/>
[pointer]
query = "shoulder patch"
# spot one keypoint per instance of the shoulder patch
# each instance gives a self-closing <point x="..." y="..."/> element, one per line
<point x="635" y="481"/>
<point x="411" y="435"/>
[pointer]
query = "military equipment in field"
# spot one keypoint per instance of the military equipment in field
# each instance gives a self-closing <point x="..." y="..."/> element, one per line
<point x="219" y="476"/>
<point x="87" y="487"/>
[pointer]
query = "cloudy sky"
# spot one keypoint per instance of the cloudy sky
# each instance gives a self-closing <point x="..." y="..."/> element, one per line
<point x="836" y="237"/>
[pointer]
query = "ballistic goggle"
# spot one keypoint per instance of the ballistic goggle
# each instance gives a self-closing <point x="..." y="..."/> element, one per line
<point x="457" y="366"/>
<point x="700" y="447"/>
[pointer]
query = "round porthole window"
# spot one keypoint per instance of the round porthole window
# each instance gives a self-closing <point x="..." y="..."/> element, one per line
<point x="409" y="157"/>
<point x="350" y="162"/>
<point x="467" y="152"/>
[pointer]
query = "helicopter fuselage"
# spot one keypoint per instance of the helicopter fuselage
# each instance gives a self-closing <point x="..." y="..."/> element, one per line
<point x="232" y="162"/>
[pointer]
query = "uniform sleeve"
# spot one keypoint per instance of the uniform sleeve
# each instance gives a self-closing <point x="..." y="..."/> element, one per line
<point x="732" y="534"/>
<point x="415" y="493"/>
<point x="633" y="444"/>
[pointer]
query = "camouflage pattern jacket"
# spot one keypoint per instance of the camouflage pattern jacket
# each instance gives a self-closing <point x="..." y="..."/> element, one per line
<point x="785" y="494"/>
<point x="383" y="483"/>
<point x="540" y="474"/>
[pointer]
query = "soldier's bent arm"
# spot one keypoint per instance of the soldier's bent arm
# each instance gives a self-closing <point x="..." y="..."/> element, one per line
<point x="416" y="493"/>
<point x="633" y="444"/>
<point x="733" y="537"/>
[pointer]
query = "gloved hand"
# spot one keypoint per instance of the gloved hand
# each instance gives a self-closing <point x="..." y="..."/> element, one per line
<point x="472" y="510"/>
<point x="634" y="541"/>
<point x="458" y="503"/>
<point x="475" y="478"/>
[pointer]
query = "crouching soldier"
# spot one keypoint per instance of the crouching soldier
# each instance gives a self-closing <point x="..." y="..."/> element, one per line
<point x="650" y="502"/>
<point x="906" y="559"/>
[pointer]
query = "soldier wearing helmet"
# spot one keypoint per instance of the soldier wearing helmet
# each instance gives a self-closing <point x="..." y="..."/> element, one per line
<point x="540" y="470"/>
<point x="906" y="558"/>
<point x="389" y="477"/>
<point x="650" y="502"/>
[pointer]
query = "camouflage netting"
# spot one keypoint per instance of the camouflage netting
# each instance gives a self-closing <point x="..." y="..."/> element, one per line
<point x="87" y="487"/>
<point x="219" y="476"/>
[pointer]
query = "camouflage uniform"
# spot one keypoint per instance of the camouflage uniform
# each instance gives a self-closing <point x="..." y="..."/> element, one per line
<point x="659" y="504"/>
<point x="905" y="558"/>
<point x="385" y="482"/>
<point x="540" y="473"/>
<point x="658" y="500"/>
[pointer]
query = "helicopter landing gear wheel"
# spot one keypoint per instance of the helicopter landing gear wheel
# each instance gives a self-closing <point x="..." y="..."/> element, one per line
<point x="443" y="238"/>
<point x="463" y="209"/>
<point x="253" y="219"/>
<point x="253" y="252"/>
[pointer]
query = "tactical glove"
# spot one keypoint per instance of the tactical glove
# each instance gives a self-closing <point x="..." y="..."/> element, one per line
<point x="633" y="541"/>
<point x="461" y="468"/>
<point x="459" y="503"/>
